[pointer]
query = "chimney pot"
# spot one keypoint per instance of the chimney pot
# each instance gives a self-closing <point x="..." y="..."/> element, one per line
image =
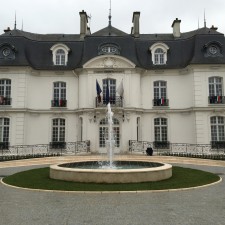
<point x="136" y="27"/>
<point x="83" y="24"/>
<point x="176" y="28"/>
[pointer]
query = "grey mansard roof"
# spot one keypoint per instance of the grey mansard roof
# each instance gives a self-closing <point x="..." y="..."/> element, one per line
<point x="34" y="49"/>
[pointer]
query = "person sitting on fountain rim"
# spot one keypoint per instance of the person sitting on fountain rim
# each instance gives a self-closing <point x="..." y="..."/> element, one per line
<point x="149" y="151"/>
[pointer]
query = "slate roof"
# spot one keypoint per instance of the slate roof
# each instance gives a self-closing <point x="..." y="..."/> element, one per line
<point x="34" y="49"/>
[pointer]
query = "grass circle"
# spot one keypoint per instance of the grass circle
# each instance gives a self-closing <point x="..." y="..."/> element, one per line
<point x="182" y="178"/>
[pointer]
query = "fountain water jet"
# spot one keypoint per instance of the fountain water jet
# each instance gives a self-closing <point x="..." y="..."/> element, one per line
<point x="110" y="142"/>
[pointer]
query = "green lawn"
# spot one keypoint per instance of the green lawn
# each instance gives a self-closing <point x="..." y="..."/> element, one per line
<point x="182" y="178"/>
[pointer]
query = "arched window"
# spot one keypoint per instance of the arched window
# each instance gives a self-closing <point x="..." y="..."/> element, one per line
<point x="217" y="131"/>
<point x="159" y="56"/>
<point x="59" y="94"/>
<point x="4" y="133"/>
<point x="60" y="54"/>
<point x="103" y="132"/>
<point x="60" y="57"/>
<point x="109" y="91"/>
<point x="5" y="92"/>
<point x="216" y="90"/>
<point x="160" y="131"/>
<point x="160" y="98"/>
<point x="58" y="133"/>
<point x="159" y="53"/>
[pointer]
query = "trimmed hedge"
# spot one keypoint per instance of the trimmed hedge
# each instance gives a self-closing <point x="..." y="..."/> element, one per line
<point x="29" y="156"/>
<point x="193" y="155"/>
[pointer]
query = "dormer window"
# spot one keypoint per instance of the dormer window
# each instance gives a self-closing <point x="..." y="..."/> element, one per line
<point x="60" y="54"/>
<point x="159" y="56"/>
<point x="109" y="49"/>
<point x="60" y="57"/>
<point x="159" y="53"/>
<point x="7" y="51"/>
<point x="213" y="49"/>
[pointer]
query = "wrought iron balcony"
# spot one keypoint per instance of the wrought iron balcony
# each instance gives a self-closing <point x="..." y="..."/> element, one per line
<point x="216" y="99"/>
<point x="114" y="102"/>
<point x="160" y="102"/>
<point x="4" y="145"/>
<point x="218" y="144"/>
<point x="5" y="100"/>
<point x="161" y="144"/>
<point x="59" y="103"/>
<point x="57" y="145"/>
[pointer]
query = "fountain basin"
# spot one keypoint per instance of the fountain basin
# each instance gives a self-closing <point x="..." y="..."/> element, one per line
<point x="160" y="171"/>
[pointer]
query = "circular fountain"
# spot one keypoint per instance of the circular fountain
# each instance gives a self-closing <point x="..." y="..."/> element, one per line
<point x="121" y="172"/>
<point x="111" y="171"/>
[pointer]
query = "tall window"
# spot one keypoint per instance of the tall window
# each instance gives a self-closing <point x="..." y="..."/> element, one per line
<point x="160" y="125"/>
<point x="215" y="90"/>
<point x="59" y="95"/>
<point x="5" y="92"/>
<point x="217" y="130"/>
<point x="215" y="86"/>
<point x="159" y="56"/>
<point x="60" y="57"/>
<point x="160" y="93"/>
<point x="103" y="132"/>
<point x="58" y="130"/>
<point x="112" y="90"/>
<point x="4" y="133"/>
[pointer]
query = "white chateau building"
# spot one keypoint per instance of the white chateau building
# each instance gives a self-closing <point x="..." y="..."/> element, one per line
<point x="163" y="88"/>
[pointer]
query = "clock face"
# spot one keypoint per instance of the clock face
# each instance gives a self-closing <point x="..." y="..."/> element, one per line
<point x="6" y="51"/>
<point x="213" y="50"/>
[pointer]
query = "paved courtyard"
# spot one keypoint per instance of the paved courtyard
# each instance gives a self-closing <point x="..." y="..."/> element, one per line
<point x="202" y="206"/>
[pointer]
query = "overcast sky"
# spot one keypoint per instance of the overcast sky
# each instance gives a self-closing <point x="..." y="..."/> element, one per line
<point x="57" y="16"/>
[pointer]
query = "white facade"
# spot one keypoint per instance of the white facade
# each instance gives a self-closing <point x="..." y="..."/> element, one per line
<point x="188" y="113"/>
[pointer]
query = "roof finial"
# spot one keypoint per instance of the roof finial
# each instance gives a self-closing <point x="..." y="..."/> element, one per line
<point x="15" y="22"/>
<point x="110" y="16"/>
<point x="204" y="19"/>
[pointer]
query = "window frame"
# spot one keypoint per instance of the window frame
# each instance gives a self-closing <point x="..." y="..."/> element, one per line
<point x="5" y="91"/>
<point x="215" y="86"/>
<point x="58" y="130"/>
<point x="60" y="59"/>
<point x="159" y="58"/>
<point x="111" y="49"/>
<point x="4" y="132"/>
<point x="103" y="132"/>
<point x="161" y="128"/>
<point x="217" y="128"/>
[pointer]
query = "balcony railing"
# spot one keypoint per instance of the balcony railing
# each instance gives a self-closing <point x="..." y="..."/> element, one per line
<point x="5" y="100"/>
<point x="215" y="147"/>
<point x="114" y="102"/>
<point x="4" y="145"/>
<point x="57" y="145"/>
<point x="161" y="144"/>
<point x="160" y="102"/>
<point x="59" y="103"/>
<point x="216" y="99"/>
<point x="218" y="144"/>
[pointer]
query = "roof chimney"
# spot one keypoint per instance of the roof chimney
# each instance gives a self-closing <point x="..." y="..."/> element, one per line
<point x="176" y="28"/>
<point x="136" y="28"/>
<point x="7" y="30"/>
<point x="83" y="24"/>
<point x="213" y="28"/>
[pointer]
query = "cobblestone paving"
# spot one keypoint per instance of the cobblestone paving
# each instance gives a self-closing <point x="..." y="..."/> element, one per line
<point x="204" y="206"/>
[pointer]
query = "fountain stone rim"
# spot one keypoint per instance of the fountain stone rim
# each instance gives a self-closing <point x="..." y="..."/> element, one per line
<point x="111" y="175"/>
